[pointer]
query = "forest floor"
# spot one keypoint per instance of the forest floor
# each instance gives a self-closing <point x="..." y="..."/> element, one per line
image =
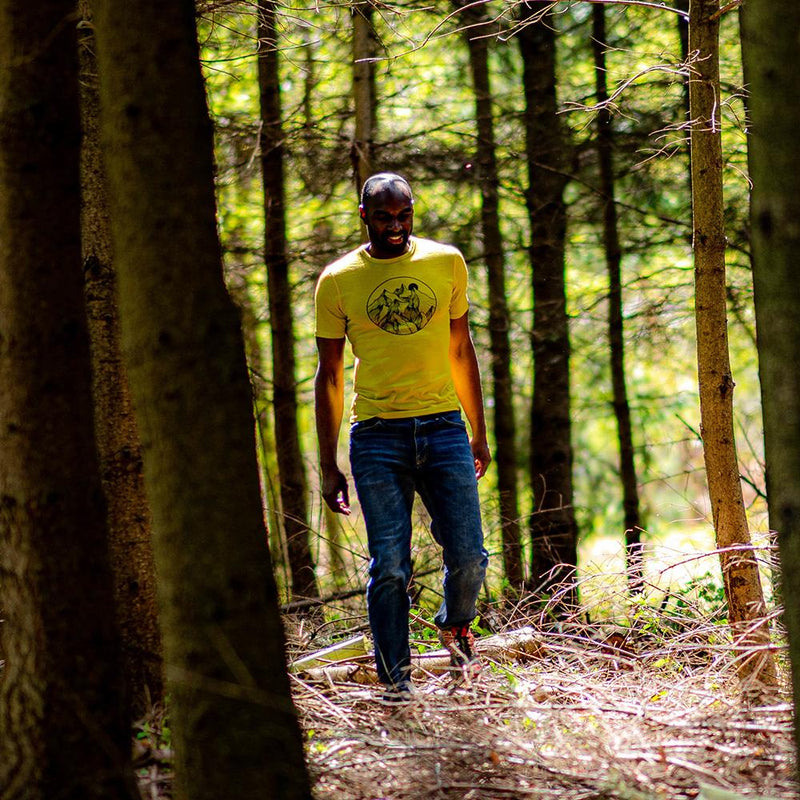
<point x="587" y="720"/>
<point x="650" y="711"/>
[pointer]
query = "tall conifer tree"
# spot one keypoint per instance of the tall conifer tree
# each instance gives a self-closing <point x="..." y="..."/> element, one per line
<point x="770" y="32"/>
<point x="552" y="524"/>
<point x="740" y="575"/>
<point x="294" y="505"/>
<point x="64" y="721"/>
<point x="477" y="31"/>
<point x="116" y="435"/>
<point x="235" y="727"/>
<point x="613" y="253"/>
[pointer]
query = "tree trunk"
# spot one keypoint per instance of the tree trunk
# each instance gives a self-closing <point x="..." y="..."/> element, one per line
<point x="234" y="724"/>
<point x="772" y="72"/>
<point x="683" y="38"/>
<point x="552" y="525"/>
<point x="238" y="289"/>
<point x="476" y="32"/>
<point x="767" y="241"/>
<point x="116" y="435"/>
<point x="290" y="457"/>
<point x="64" y="720"/>
<point x="362" y="149"/>
<point x="613" y="253"/>
<point x="362" y="157"/>
<point x="739" y="566"/>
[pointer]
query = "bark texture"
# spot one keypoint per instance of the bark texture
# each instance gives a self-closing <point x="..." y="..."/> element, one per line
<point x="116" y="435"/>
<point x="65" y="725"/>
<point x="740" y="574"/>
<point x="476" y="34"/>
<point x="771" y="59"/>
<point x="235" y="727"/>
<point x="552" y="524"/>
<point x="291" y="469"/>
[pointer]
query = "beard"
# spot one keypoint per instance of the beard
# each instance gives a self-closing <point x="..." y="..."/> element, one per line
<point x="383" y="243"/>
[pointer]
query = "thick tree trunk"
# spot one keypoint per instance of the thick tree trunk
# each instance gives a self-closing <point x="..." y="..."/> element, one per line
<point x="64" y="721"/>
<point x="613" y="252"/>
<point x="552" y="525"/>
<point x="499" y="318"/>
<point x="291" y="468"/>
<point x="739" y="566"/>
<point x="235" y="727"/>
<point x="767" y="241"/>
<point x="771" y="58"/>
<point x="116" y="435"/>
<point x="362" y="149"/>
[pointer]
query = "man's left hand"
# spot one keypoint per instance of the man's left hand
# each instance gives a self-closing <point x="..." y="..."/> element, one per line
<point x="482" y="456"/>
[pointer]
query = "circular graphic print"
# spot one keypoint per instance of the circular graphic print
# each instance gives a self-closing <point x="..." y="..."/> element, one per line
<point x="402" y="305"/>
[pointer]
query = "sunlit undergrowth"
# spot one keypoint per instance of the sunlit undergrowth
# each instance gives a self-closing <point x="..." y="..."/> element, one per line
<point x="634" y="696"/>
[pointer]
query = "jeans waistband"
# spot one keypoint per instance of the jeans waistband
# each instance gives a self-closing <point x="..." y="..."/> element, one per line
<point x="450" y="416"/>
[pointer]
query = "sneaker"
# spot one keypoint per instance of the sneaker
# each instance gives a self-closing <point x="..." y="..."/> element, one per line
<point x="459" y="641"/>
<point x="400" y="694"/>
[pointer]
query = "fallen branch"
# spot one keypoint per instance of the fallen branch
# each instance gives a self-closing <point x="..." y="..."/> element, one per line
<point x="350" y="662"/>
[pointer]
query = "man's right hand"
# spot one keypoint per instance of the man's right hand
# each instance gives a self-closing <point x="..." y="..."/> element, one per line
<point x="335" y="491"/>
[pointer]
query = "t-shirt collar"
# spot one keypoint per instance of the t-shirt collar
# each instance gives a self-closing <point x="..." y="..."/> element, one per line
<point x="412" y="246"/>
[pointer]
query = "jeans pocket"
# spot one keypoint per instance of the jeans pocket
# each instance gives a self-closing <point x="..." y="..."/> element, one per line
<point x="453" y="419"/>
<point x="366" y="425"/>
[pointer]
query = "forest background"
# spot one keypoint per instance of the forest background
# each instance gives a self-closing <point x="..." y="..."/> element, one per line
<point x="594" y="234"/>
<point x="425" y="128"/>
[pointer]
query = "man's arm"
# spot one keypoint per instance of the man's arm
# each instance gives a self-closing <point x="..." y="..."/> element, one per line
<point x="467" y="381"/>
<point x="329" y="408"/>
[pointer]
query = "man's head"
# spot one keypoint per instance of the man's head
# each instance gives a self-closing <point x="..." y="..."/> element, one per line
<point x="387" y="208"/>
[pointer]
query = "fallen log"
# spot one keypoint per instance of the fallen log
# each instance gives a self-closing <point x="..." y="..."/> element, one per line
<point x="350" y="662"/>
<point x="350" y="649"/>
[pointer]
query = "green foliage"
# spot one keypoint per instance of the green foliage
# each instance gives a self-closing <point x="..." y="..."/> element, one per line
<point x="694" y="615"/>
<point x="154" y="734"/>
<point x="426" y="130"/>
<point x="153" y="755"/>
<point x="704" y="596"/>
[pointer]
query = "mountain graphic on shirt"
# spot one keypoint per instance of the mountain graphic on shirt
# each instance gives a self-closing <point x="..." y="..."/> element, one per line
<point x="401" y="305"/>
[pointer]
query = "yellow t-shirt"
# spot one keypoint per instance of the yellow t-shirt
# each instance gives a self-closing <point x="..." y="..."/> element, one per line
<point x="396" y="314"/>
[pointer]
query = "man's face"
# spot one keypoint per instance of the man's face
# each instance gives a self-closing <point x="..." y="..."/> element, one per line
<point x="389" y="217"/>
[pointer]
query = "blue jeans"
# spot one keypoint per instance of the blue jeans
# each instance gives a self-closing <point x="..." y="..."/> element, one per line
<point x="390" y="460"/>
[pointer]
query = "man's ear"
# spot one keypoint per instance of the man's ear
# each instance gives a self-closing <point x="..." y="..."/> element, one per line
<point x="362" y="213"/>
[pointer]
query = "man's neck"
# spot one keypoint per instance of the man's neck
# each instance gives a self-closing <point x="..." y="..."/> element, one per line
<point x="371" y="250"/>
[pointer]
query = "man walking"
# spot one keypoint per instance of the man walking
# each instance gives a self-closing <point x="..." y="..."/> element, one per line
<point x="402" y="303"/>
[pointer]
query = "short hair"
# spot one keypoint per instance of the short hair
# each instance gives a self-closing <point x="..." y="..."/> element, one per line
<point x="375" y="184"/>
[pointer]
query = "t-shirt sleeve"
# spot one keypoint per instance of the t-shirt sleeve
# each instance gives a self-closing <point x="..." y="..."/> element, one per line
<point x="459" y="301"/>
<point x="330" y="320"/>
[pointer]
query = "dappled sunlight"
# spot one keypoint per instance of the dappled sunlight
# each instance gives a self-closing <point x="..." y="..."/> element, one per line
<point x="632" y="695"/>
<point x="652" y="711"/>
